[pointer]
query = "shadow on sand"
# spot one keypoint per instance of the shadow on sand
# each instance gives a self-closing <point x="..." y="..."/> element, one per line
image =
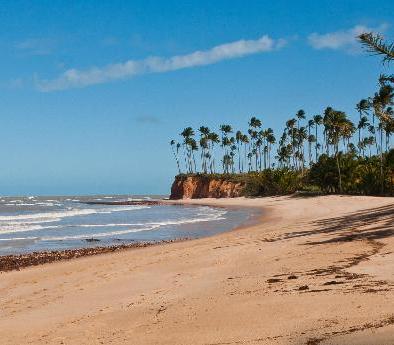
<point x="371" y="224"/>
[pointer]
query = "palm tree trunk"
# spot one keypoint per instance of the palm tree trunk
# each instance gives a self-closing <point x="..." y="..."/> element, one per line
<point x="339" y="169"/>
<point x="239" y="158"/>
<point x="381" y="162"/>
<point x="317" y="141"/>
<point x="176" y="159"/>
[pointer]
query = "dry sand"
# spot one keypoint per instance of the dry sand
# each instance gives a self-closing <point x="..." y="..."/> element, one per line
<point x="233" y="288"/>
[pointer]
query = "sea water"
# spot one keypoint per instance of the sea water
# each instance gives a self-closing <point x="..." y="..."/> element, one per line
<point x="32" y="223"/>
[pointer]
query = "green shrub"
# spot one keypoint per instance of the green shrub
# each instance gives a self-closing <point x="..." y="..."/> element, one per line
<point x="272" y="182"/>
<point x="360" y="175"/>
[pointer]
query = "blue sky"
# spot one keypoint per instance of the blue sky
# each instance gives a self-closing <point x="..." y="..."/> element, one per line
<point x="85" y="108"/>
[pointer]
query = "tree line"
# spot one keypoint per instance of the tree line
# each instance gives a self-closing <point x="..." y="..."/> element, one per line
<point x="304" y="140"/>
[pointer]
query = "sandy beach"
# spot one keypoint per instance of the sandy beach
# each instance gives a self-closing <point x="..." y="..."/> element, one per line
<point x="316" y="270"/>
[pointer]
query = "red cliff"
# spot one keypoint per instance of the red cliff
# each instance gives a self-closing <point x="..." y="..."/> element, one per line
<point x="195" y="187"/>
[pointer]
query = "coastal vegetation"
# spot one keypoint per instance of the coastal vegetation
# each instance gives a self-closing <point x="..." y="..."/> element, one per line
<point x="326" y="152"/>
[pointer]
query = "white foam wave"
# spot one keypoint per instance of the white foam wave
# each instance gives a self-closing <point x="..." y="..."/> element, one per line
<point x="101" y="234"/>
<point x="69" y="213"/>
<point x="18" y="239"/>
<point x="10" y="229"/>
<point x="24" y="227"/>
<point x="32" y="222"/>
<point x="31" y="204"/>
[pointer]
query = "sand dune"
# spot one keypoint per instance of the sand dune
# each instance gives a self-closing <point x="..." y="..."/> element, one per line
<point x="311" y="271"/>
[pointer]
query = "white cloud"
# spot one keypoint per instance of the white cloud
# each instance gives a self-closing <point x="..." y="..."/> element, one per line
<point x="74" y="78"/>
<point x="342" y="40"/>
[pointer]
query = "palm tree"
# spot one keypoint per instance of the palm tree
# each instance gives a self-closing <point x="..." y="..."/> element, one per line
<point x="259" y="143"/>
<point x="300" y="116"/>
<point x="380" y="102"/>
<point x="301" y="137"/>
<point x="389" y="127"/>
<point x="214" y="139"/>
<point x="226" y="143"/>
<point x="311" y="124"/>
<point x="311" y="139"/>
<point x="318" y="120"/>
<point x="238" y="139"/>
<point x="362" y="108"/>
<point x="271" y="140"/>
<point x="204" y="153"/>
<point x="175" y="152"/>
<point x="204" y="144"/>
<point x="254" y="126"/>
<point x="187" y="134"/>
<point x="363" y="123"/>
<point x="336" y="126"/>
<point x="291" y="131"/>
<point x="255" y="122"/>
<point x="375" y="44"/>
<point x="233" y="149"/>
<point x="327" y="113"/>
<point x="368" y="142"/>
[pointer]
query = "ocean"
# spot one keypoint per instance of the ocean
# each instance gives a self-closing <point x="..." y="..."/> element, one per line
<point x="29" y="224"/>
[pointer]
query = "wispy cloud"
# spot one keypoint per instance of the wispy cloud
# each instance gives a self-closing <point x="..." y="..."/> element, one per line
<point x="342" y="40"/>
<point x="74" y="78"/>
<point x="36" y="46"/>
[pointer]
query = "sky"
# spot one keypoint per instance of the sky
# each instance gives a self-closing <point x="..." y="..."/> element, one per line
<point x="91" y="92"/>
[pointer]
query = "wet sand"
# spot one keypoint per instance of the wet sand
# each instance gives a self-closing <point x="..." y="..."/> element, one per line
<point x="312" y="271"/>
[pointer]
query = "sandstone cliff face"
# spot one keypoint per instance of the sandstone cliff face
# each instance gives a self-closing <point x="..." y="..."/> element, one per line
<point x="195" y="187"/>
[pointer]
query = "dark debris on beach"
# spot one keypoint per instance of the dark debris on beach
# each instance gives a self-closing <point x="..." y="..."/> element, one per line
<point x="19" y="261"/>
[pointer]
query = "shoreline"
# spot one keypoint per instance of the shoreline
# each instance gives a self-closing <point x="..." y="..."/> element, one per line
<point x="310" y="271"/>
<point x="11" y="262"/>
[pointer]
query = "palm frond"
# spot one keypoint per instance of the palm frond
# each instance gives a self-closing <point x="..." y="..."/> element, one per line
<point x="375" y="44"/>
<point x="384" y="79"/>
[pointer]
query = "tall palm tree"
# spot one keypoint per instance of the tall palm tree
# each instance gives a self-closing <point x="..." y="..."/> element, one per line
<point x="318" y="120"/>
<point x="204" y="154"/>
<point x="254" y="126"/>
<point x="188" y="134"/>
<point x="389" y="127"/>
<point x="238" y="139"/>
<point x="226" y="143"/>
<point x="301" y="137"/>
<point x="326" y="118"/>
<point x="362" y="108"/>
<point x="175" y="152"/>
<point x="311" y="140"/>
<point x="380" y="102"/>
<point x="363" y="123"/>
<point x="368" y="142"/>
<point x="291" y="131"/>
<point x="271" y="140"/>
<point x="261" y="142"/>
<point x="337" y="126"/>
<point x="255" y="122"/>
<point x="311" y="124"/>
<point x="204" y="144"/>
<point x="245" y="142"/>
<point x="213" y="139"/>
<point x="300" y="116"/>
